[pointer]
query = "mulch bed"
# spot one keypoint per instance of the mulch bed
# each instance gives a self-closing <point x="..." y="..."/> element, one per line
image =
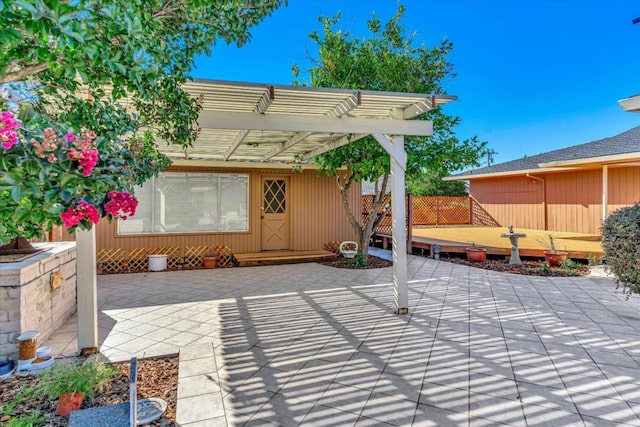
<point x="157" y="377"/>
<point x="528" y="267"/>
<point x="372" y="262"/>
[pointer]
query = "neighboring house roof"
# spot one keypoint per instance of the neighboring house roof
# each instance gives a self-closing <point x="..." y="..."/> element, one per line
<point x="622" y="147"/>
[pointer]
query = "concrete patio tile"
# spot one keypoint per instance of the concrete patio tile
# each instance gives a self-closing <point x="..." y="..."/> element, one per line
<point x="493" y="385"/>
<point x="344" y="398"/>
<point x="265" y="378"/>
<point x="630" y="392"/>
<point x="613" y="358"/>
<point x="201" y="366"/>
<point x="541" y="416"/>
<point x="444" y="397"/>
<point x="370" y="422"/>
<point x="198" y="351"/>
<point x="548" y="397"/>
<point x="399" y="386"/>
<point x="325" y="416"/>
<point x="596" y="385"/>
<point x="430" y="416"/>
<point x="199" y="408"/>
<point x="546" y="376"/>
<point x="210" y="422"/>
<point x="605" y="408"/>
<point x="181" y="339"/>
<point x="599" y="422"/>
<point x="496" y="409"/>
<point x="283" y="411"/>
<point x="389" y="409"/>
<point x="197" y="385"/>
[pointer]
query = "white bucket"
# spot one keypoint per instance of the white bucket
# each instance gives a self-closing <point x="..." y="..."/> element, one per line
<point x="157" y="262"/>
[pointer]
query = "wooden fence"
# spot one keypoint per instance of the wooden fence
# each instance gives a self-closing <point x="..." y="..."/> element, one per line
<point x="432" y="211"/>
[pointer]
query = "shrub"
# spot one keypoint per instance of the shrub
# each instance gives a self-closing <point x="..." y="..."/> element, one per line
<point x="621" y="244"/>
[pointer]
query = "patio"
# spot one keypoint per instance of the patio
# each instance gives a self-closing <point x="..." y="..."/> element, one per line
<point x="307" y="344"/>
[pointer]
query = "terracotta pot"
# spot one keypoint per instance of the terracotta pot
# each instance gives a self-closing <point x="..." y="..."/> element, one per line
<point x="553" y="258"/>
<point x="210" y="261"/>
<point x="476" y="254"/>
<point x="69" y="402"/>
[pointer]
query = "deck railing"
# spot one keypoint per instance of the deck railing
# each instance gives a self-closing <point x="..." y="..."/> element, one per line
<point x="433" y="211"/>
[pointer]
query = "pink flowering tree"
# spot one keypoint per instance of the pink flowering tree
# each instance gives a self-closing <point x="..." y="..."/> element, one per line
<point x="56" y="177"/>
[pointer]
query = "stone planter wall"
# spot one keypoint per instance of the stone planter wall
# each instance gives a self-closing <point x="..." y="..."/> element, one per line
<point x="28" y="301"/>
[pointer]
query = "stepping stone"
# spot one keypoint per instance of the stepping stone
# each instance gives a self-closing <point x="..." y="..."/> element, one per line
<point x="118" y="415"/>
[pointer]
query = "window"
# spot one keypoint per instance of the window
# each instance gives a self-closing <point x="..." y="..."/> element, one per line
<point x="190" y="202"/>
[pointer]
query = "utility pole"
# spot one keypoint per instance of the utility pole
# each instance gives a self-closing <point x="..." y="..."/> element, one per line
<point x="490" y="154"/>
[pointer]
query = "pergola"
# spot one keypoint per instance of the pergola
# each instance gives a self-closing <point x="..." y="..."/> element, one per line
<point x="248" y="123"/>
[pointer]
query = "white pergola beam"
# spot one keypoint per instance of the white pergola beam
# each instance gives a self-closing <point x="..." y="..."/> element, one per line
<point x="342" y="108"/>
<point x="263" y="104"/>
<point x="336" y="143"/>
<point x="319" y="124"/>
<point x="285" y="145"/>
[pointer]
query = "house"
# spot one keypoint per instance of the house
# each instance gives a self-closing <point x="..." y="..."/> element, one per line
<point x="249" y="182"/>
<point x="571" y="189"/>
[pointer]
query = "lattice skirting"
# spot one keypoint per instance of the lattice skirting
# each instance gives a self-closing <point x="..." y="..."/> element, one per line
<point x="136" y="260"/>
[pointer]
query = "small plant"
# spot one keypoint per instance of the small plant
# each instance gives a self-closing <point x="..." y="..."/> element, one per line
<point x="30" y="419"/>
<point x="544" y="267"/>
<point x="83" y="378"/>
<point x="549" y="244"/>
<point x="570" y="265"/>
<point x="594" y="260"/>
<point x="358" y="261"/>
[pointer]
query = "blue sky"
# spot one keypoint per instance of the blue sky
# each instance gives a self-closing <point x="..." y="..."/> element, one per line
<point x="533" y="76"/>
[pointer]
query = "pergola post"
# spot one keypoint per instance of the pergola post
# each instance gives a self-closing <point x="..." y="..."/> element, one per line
<point x="86" y="286"/>
<point x="394" y="145"/>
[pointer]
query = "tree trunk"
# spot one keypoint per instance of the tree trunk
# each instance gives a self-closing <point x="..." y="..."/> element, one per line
<point x="18" y="245"/>
<point x="364" y="231"/>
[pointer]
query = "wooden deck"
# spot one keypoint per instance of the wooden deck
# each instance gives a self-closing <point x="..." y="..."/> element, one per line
<point x="456" y="239"/>
<point x="283" y="257"/>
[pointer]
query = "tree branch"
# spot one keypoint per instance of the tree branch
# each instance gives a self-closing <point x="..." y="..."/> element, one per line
<point x="23" y="72"/>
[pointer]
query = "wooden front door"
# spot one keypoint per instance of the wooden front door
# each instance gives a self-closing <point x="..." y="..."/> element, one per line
<point x="275" y="213"/>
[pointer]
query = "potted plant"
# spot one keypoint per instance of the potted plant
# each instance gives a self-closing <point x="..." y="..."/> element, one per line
<point x="552" y="255"/>
<point x="210" y="260"/>
<point x="476" y="253"/>
<point x="71" y="383"/>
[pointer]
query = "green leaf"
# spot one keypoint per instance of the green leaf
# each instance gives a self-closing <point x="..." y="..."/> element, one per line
<point x="66" y="195"/>
<point x="16" y="194"/>
<point x="56" y="209"/>
<point x="31" y="166"/>
<point x="67" y="179"/>
<point x="50" y="195"/>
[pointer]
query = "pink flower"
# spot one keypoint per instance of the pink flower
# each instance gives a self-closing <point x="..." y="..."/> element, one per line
<point x="87" y="158"/>
<point x="82" y="211"/>
<point x="70" y="137"/>
<point x="8" y="124"/>
<point x="121" y="204"/>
